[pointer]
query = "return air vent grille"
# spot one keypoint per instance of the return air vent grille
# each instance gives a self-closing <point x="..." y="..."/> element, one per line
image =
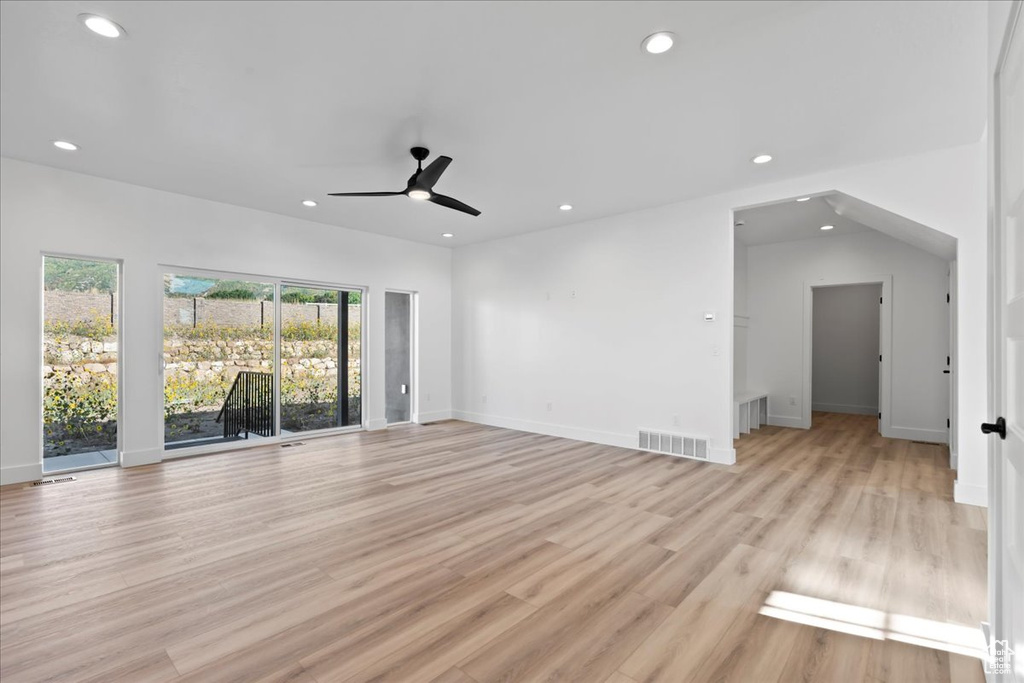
<point x="53" y="480"/>
<point x="674" y="444"/>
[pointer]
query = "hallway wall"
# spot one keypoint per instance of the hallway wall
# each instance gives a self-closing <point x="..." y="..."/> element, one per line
<point x="844" y="372"/>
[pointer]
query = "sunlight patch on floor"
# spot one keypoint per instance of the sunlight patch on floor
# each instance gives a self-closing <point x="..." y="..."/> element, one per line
<point x="873" y="623"/>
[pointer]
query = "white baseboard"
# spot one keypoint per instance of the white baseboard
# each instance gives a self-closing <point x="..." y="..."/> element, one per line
<point x="783" y="421"/>
<point x="148" y="456"/>
<point x="970" y="494"/>
<point x="724" y="456"/>
<point x="19" y="474"/>
<point x="842" y="408"/>
<point x="376" y="425"/>
<point x="912" y="434"/>
<point x="433" y="416"/>
<point x="954" y="461"/>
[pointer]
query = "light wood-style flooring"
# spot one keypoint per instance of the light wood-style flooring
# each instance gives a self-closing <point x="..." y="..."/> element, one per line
<point x="459" y="553"/>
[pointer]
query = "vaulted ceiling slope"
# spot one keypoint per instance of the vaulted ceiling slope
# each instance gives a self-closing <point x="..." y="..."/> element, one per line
<point x="539" y="103"/>
<point x="793" y="219"/>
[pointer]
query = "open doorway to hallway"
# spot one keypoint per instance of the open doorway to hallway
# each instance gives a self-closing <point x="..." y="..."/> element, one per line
<point x="846" y="355"/>
<point x="790" y="253"/>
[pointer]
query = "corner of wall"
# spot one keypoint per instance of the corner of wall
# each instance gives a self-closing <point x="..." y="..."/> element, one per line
<point x="432" y="416"/>
<point x="19" y="474"/>
<point x="723" y="456"/>
<point x="970" y="494"/>
<point x="148" y="456"/>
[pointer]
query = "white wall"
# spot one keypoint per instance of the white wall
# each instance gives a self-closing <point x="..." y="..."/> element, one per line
<point x="45" y="209"/>
<point x="631" y="349"/>
<point x="844" y="374"/>
<point x="741" y="319"/>
<point x="778" y="276"/>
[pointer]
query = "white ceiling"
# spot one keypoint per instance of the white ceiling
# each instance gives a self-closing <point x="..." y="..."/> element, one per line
<point x="792" y="220"/>
<point x="263" y="104"/>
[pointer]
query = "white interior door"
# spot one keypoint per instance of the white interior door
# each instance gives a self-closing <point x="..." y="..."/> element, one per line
<point x="1006" y="476"/>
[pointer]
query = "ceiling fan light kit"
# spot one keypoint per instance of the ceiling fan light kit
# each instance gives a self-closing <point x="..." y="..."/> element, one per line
<point x="421" y="184"/>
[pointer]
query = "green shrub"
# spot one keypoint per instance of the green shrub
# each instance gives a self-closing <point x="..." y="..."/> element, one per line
<point x="79" y="403"/>
<point x="99" y="328"/>
<point x="290" y="331"/>
<point x="234" y="293"/>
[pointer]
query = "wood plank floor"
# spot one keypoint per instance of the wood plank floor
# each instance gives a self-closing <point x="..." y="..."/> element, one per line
<point x="459" y="553"/>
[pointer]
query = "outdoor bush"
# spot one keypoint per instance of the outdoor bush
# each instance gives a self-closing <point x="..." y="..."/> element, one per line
<point x="99" y="328"/>
<point x="232" y="293"/>
<point x="79" y="403"/>
<point x="290" y="331"/>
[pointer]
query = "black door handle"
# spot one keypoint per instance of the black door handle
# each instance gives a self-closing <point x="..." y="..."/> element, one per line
<point x="997" y="427"/>
<point x="945" y="372"/>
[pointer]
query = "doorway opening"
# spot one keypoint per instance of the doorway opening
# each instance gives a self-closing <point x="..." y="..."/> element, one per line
<point x="793" y="258"/>
<point x="846" y="349"/>
<point x="398" y="356"/>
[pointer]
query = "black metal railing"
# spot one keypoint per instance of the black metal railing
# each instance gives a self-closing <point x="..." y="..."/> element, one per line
<point x="249" y="406"/>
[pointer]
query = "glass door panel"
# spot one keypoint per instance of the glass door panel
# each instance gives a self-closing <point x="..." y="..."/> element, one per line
<point x="81" y="359"/>
<point x="218" y="360"/>
<point x="321" y="356"/>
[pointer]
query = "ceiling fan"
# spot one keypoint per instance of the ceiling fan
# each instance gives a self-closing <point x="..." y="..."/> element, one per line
<point x="421" y="184"/>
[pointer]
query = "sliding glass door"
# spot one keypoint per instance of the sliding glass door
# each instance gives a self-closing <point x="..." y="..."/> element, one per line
<point x="321" y="374"/>
<point x="219" y="359"/>
<point x="81" y="363"/>
<point x="225" y="338"/>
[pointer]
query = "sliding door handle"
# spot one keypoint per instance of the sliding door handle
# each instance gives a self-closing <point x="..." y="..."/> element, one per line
<point x="997" y="427"/>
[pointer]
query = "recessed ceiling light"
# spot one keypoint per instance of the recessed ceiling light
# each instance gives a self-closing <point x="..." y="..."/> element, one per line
<point x="447" y="234"/>
<point x="827" y="227"/>
<point x="419" y="194"/>
<point x="804" y="199"/>
<point x="308" y="202"/>
<point x="65" y="145"/>
<point x="659" y="43"/>
<point x="566" y="207"/>
<point x="762" y="158"/>
<point x="101" y="25"/>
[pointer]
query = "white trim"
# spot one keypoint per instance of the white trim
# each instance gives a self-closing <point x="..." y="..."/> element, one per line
<point x="954" y="461"/>
<point x="841" y="408"/>
<point x="786" y="421"/>
<point x="148" y="456"/>
<point x="970" y="494"/>
<point x="19" y="474"/>
<point x="885" y="342"/>
<point x="377" y="424"/>
<point x="433" y="416"/>
<point x="937" y="436"/>
<point x="722" y="456"/>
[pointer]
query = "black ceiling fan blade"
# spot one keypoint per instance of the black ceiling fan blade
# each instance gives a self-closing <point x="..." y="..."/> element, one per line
<point x="451" y="203"/>
<point x="363" y="194"/>
<point x="428" y="176"/>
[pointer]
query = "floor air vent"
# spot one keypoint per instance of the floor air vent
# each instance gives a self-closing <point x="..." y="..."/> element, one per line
<point x="53" y="480"/>
<point x="674" y="444"/>
<point x="293" y="444"/>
